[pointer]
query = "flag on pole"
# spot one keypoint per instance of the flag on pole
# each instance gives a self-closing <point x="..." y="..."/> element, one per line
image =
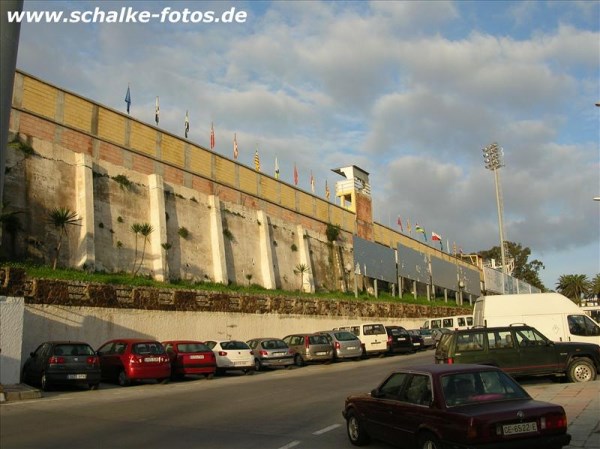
<point x="327" y="192"/>
<point x="187" y="124"/>
<point x="236" y="152"/>
<point x="435" y="237"/>
<point x="256" y="160"/>
<point x="408" y="226"/>
<point x="128" y="99"/>
<point x="421" y="230"/>
<point x="400" y="223"/>
<point x="295" y="175"/>
<point x="312" y="182"/>
<point x="276" y="169"/>
<point x="156" y="111"/>
<point x="454" y="248"/>
<point x="212" y="135"/>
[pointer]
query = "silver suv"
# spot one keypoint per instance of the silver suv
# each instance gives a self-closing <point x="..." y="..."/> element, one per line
<point x="309" y="348"/>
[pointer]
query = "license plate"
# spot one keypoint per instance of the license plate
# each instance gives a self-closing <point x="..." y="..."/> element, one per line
<point x="513" y="429"/>
<point x="240" y="363"/>
<point x="321" y="353"/>
<point x="279" y="353"/>
<point x="196" y="357"/>
<point x="152" y="359"/>
<point x="401" y="338"/>
<point x="416" y="344"/>
<point x="76" y="376"/>
<point x="350" y="348"/>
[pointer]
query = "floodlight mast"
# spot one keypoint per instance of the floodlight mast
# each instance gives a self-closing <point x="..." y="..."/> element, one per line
<point x="493" y="159"/>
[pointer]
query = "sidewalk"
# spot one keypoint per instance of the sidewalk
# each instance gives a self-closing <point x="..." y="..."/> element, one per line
<point x="581" y="401"/>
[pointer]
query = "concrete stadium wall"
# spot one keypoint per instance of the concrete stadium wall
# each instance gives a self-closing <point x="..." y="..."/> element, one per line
<point x="97" y="325"/>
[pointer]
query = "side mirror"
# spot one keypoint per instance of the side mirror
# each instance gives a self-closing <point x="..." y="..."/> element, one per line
<point x="375" y="393"/>
<point x="32" y="354"/>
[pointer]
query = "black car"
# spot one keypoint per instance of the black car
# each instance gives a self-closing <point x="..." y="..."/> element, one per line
<point x="62" y="363"/>
<point x="417" y="340"/>
<point x="399" y="340"/>
<point x="520" y="350"/>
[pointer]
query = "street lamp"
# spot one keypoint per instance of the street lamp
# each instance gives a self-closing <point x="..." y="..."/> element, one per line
<point x="492" y="156"/>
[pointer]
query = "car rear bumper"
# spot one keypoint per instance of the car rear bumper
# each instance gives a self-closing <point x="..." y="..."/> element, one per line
<point x="91" y="377"/>
<point x="348" y="354"/>
<point x="149" y="372"/>
<point x="546" y="442"/>
<point x="195" y="370"/>
<point x="277" y="362"/>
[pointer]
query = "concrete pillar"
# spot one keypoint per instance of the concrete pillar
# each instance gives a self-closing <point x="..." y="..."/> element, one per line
<point x="12" y="316"/>
<point x="158" y="220"/>
<point x="9" y="46"/>
<point x="309" y="283"/>
<point x="266" y="252"/>
<point x="216" y="238"/>
<point x="84" y="188"/>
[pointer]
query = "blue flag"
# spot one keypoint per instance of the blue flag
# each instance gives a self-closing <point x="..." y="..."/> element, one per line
<point x="128" y="99"/>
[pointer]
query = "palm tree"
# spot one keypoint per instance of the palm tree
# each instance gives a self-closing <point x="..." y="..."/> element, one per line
<point x="146" y="229"/>
<point x="60" y="218"/>
<point x="573" y="286"/>
<point x="301" y="269"/>
<point x="595" y="287"/>
<point x="136" y="229"/>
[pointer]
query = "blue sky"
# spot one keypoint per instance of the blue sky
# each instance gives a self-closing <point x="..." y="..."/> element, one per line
<point x="408" y="91"/>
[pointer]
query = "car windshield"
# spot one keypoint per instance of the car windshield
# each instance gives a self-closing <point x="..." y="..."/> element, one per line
<point x="397" y="331"/>
<point x="73" y="349"/>
<point x="234" y="345"/>
<point x="192" y="347"/>
<point x="150" y="347"/>
<point x="481" y="386"/>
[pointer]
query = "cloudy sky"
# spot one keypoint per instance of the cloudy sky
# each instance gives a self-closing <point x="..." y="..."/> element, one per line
<point x="410" y="91"/>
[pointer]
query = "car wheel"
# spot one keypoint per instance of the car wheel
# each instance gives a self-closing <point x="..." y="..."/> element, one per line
<point x="257" y="365"/>
<point x="429" y="441"/>
<point x="123" y="380"/>
<point x="94" y="386"/>
<point x="163" y="380"/>
<point x="298" y="360"/>
<point x="210" y="375"/>
<point x="44" y="384"/>
<point x="356" y="432"/>
<point x="581" y="370"/>
<point x="249" y="371"/>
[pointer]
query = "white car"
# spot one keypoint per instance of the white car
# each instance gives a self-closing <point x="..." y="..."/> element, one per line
<point x="232" y="355"/>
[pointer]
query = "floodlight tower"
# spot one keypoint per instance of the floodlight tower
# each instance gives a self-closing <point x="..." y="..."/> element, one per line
<point x="493" y="157"/>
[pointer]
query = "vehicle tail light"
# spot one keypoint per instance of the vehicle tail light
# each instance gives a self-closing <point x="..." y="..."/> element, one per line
<point x="93" y="360"/>
<point x="472" y="429"/>
<point x="306" y="342"/>
<point x="337" y="345"/>
<point x="56" y="360"/>
<point x="389" y="340"/>
<point x="290" y="351"/>
<point x="135" y="358"/>
<point x="222" y="353"/>
<point x="554" y="421"/>
<point x="449" y="360"/>
<point x="263" y="353"/>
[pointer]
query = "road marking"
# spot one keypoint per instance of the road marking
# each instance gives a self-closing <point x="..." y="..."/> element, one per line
<point x="326" y="429"/>
<point x="290" y="445"/>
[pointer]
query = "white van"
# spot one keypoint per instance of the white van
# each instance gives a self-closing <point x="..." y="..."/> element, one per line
<point x="373" y="336"/>
<point x="554" y="315"/>
<point x="457" y="322"/>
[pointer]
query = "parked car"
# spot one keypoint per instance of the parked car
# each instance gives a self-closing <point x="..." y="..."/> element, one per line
<point x="417" y="340"/>
<point x="190" y="357"/>
<point x="439" y="332"/>
<point x="270" y="353"/>
<point x="345" y="344"/>
<point x="428" y="338"/>
<point x="62" y="363"/>
<point x="521" y="351"/>
<point x="232" y="355"/>
<point x="399" y="340"/>
<point x="309" y="348"/>
<point x="452" y="406"/>
<point x="127" y="360"/>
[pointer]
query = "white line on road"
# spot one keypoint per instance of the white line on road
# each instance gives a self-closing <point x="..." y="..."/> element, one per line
<point x="326" y="429"/>
<point x="290" y="445"/>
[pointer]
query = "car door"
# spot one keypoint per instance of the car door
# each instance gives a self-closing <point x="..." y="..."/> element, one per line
<point x="381" y="411"/>
<point x="536" y="354"/>
<point x="109" y="360"/>
<point x="37" y="363"/>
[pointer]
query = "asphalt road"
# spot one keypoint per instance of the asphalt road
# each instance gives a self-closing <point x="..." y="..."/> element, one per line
<point x="283" y="409"/>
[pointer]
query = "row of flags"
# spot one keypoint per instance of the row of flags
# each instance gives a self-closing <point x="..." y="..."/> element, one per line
<point x="236" y="152"/>
<point x="435" y="237"/>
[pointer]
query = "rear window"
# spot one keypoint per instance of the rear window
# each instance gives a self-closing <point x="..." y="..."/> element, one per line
<point x="448" y="322"/>
<point x="345" y="336"/>
<point x="477" y="387"/>
<point x="398" y="331"/>
<point x="274" y="344"/>
<point x="318" y="340"/>
<point x="444" y="344"/>
<point x="374" y="329"/>
<point x="73" y="349"/>
<point x="148" y="348"/>
<point x="192" y="347"/>
<point x="234" y="345"/>
<point x="469" y="342"/>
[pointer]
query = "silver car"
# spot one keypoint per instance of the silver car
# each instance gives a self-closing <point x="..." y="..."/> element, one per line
<point x="270" y="352"/>
<point x="345" y="344"/>
<point x="309" y="348"/>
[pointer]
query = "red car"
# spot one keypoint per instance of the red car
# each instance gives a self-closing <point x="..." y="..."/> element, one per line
<point x="190" y="357"/>
<point x="130" y="359"/>
<point x="454" y="406"/>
